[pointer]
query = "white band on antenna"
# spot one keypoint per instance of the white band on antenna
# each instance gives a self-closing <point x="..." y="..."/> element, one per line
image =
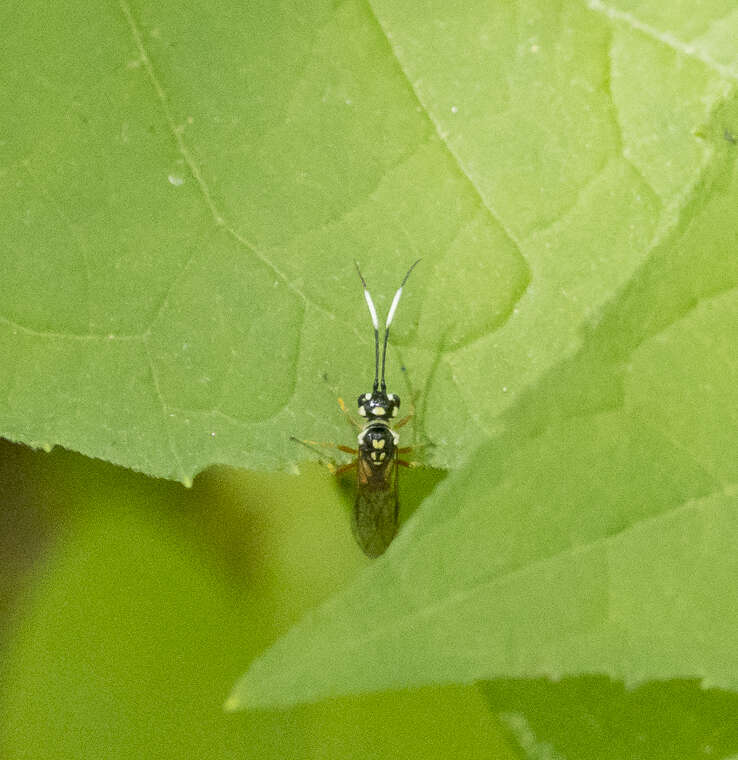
<point x="395" y="301"/>
<point x="372" y="310"/>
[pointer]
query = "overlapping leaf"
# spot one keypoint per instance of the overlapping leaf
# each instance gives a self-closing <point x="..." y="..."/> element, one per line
<point x="593" y="533"/>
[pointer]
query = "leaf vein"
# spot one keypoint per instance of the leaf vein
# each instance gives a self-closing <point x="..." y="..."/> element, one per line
<point x="84" y="253"/>
<point x="52" y="335"/>
<point x="443" y="136"/>
<point x="482" y="584"/>
<point x="665" y="38"/>
<point x="177" y="133"/>
<point x="183" y="476"/>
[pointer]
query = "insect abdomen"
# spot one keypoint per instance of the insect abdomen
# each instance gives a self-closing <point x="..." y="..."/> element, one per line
<point x="376" y="508"/>
<point x="374" y="521"/>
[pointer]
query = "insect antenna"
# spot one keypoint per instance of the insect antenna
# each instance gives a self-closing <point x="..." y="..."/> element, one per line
<point x="390" y="317"/>
<point x="375" y="322"/>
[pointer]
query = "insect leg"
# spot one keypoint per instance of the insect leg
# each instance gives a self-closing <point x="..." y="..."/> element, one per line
<point x="332" y="467"/>
<point x="411" y="465"/>
<point x="345" y="467"/>
<point x="407" y="450"/>
<point x="312" y="444"/>
<point x="351" y="421"/>
<point x="416" y="446"/>
<point x="405" y="419"/>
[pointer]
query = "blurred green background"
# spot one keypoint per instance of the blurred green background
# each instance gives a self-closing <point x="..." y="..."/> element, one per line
<point x="131" y="605"/>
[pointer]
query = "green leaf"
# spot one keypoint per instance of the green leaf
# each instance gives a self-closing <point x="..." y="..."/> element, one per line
<point x="191" y="185"/>
<point x="595" y="534"/>
<point x="602" y="545"/>
<point x="190" y="188"/>
<point x="583" y="718"/>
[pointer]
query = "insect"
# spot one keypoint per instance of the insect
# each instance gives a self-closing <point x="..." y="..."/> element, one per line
<point x="376" y="508"/>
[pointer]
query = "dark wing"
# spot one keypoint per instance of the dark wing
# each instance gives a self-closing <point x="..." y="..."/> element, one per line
<point x="374" y="521"/>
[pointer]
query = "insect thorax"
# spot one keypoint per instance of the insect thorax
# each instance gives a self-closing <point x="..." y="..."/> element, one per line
<point x="378" y="405"/>
<point x="377" y="443"/>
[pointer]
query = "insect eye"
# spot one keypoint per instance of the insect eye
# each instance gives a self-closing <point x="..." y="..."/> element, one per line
<point x="396" y="399"/>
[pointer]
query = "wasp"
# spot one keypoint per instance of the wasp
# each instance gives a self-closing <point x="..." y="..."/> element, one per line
<point x="376" y="507"/>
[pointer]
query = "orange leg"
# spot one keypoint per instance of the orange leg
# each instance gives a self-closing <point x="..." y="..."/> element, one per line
<point x="404" y="420"/>
<point x="332" y="467"/>
<point x="407" y="450"/>
<point x="351" y="421"/>
<point x="312" y="445"/>
<point x="345" y="467"/>
<point x="411" y="465"/>
<point x="307" y="442"/>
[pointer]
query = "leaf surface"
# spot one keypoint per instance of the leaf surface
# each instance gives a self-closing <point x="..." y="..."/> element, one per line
<point x="602" y="545"/>
<point x="191" y="185"/>
<point x="593" y="532"/>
